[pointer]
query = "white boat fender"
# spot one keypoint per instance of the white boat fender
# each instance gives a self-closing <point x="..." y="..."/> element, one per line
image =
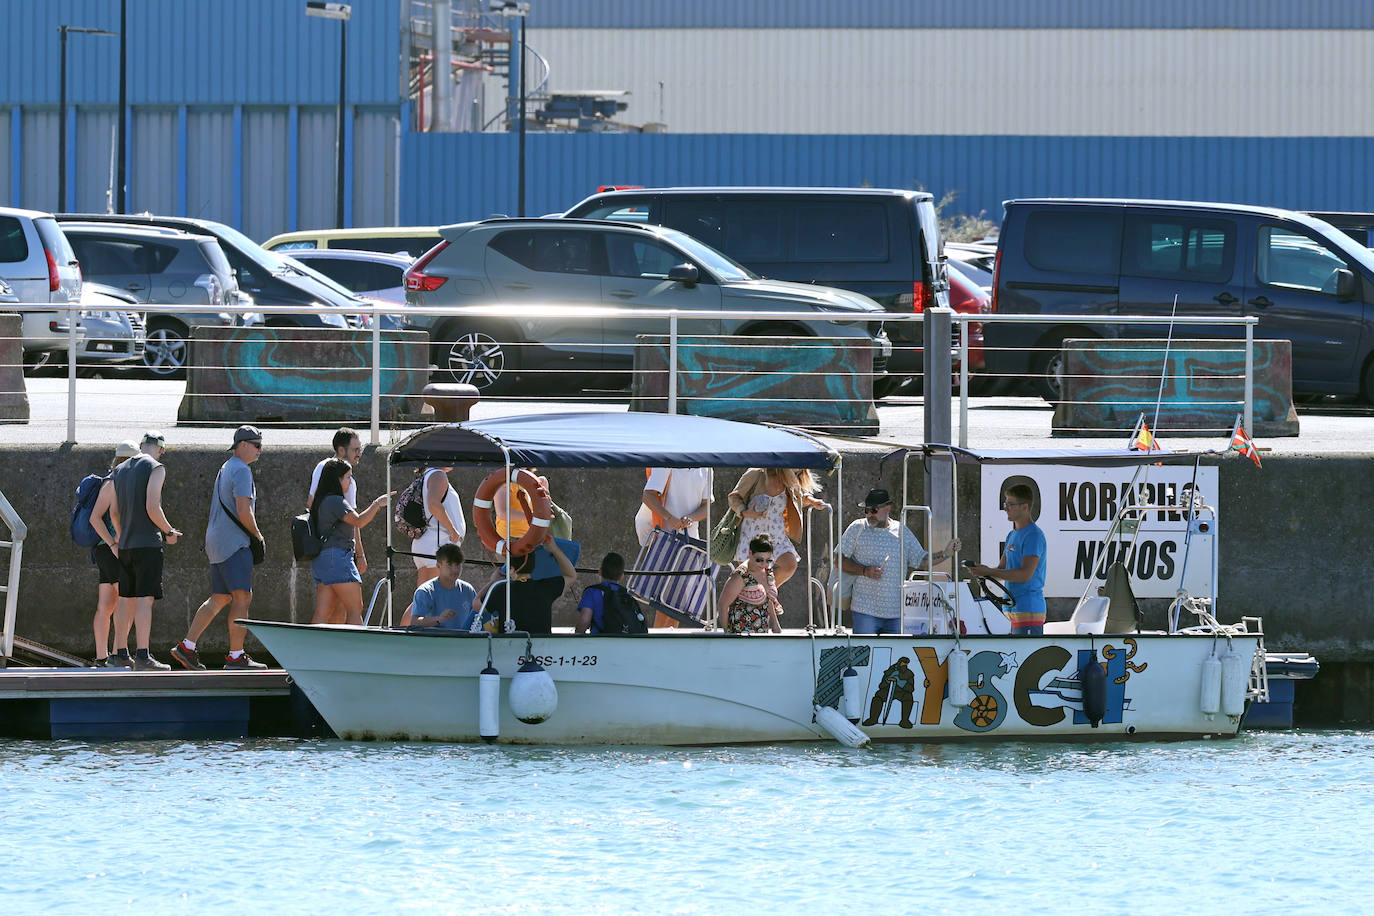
<point x="1093" y="680"/>
<point x="1234" y="675"/>
<point x="840" y="728"/>
<point x="533" y="696"/>
<point x="489" y="704"/>
<point x="960" y="693"/>
<point x="1211" y="684"/>
<point x="853" y="695"/>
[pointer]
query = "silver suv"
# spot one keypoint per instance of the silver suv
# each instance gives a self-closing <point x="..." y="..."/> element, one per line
<point x="38" y="265"/>
<point x="529" y="263"/>
<point x="161" y="266"/>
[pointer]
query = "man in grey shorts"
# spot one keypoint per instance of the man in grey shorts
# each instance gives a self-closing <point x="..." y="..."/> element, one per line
<point x="231" y="557"/>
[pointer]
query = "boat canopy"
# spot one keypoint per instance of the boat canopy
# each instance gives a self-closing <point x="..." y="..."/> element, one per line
<point x="613" y="440"/>
<point x="1065" y="456"/>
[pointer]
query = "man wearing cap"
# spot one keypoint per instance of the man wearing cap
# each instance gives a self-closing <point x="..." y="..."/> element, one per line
<point x="871" y="550"/>
<point x="227" y="546"/>
<point x="143" y="531"/>
<point x="105" y="557"/>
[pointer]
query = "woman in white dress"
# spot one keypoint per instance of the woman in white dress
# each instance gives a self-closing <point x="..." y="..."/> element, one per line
<point x="445" y="523"/>
<point x="770" y="501"/>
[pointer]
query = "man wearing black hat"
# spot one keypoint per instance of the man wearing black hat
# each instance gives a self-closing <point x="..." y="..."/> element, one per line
<point x="871" y="550"/>
<point x="228" y="539"/>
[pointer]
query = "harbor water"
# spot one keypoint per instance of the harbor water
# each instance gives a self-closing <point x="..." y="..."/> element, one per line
<point x="1267" y="822"/>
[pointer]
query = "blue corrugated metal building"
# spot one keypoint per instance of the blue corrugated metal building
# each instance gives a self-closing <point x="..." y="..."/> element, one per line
<point x="232" y="104"/>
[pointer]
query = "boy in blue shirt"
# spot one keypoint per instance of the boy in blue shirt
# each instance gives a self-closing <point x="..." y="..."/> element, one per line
<point x="1023" y="564"/>
<point x="591" y="610"/>
<point x="446" y="600"/>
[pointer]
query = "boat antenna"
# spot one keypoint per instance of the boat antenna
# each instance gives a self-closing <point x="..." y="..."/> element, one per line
<point x="1163" y="370"/>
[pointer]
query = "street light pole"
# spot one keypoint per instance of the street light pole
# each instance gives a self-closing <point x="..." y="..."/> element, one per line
<point x="326" y="9"/>
<point x="524" y="17"/>
<point x="123" y="104"/>
<point x="339" y="138"/>
<point x="62" y="31"/>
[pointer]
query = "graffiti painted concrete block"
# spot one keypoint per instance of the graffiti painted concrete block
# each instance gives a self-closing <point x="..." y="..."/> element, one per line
<point x="1107" y="384"/>
<point x="300" y="375"/>
<point x="799" y="381"/>
<point x="14" y="398"/>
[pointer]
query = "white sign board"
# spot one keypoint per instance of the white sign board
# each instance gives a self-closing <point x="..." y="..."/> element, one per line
<point x="1075" y="506"/>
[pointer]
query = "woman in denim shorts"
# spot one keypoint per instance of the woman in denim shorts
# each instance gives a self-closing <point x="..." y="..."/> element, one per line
<point x="333" y="520"/>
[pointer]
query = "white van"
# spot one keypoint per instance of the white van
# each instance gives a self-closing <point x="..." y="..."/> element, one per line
<point x="38" y="263"/>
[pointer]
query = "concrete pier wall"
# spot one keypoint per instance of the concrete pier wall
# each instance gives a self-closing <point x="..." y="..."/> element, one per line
<point x="1292" y="548"/>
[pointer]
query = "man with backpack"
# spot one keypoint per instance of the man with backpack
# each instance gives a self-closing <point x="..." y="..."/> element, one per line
<point x="92" y="527"/>
<point x="608" y="607"/>
<point x="143" y="531"/>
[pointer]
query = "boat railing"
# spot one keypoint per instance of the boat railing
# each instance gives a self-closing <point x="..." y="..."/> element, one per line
<point x="16" y="531"/>
<point x="829" y="616"/>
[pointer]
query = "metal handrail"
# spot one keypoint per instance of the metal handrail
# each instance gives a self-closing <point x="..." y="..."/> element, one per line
<point x="18" y="531"/>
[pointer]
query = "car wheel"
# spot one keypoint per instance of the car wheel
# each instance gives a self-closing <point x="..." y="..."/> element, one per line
<point x="165" y="352"/>
<point x="1369" y="381"/>
<point x="475" y="357"/>
<point x="1047" y="368"/>
<point x="887" y="386"/>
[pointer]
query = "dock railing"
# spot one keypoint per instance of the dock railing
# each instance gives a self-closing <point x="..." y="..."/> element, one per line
<point x="16" y="531"/>
<point x="675" y="327"/>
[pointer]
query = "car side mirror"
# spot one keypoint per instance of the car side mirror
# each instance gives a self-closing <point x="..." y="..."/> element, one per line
<point x="683" y="273"/>
<point x="1346" y="286"/>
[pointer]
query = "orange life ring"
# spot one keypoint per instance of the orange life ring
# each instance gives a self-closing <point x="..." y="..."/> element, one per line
<point x="540" y="517"/>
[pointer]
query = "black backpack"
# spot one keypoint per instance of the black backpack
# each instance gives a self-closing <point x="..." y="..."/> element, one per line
<point x="620" y="612"/>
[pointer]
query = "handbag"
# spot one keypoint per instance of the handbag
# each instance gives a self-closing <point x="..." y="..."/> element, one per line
<point x="256" y="546"/>
<point x="725" y="539"/>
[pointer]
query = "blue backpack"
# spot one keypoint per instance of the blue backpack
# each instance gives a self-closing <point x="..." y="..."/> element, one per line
<point x="86" y="493"/>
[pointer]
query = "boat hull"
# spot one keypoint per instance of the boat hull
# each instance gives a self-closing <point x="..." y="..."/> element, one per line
<point x="698" y="688"/>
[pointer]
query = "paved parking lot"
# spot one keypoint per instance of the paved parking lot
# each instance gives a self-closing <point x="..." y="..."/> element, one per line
<point x="112" y="409"/>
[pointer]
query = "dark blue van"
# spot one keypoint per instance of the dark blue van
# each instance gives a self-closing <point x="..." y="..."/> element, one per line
<point x="1306" y="281"/>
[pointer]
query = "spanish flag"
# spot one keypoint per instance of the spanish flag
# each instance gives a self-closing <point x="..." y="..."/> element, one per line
<point x="1144" y="440"/>
<point x="1245" y="445"/>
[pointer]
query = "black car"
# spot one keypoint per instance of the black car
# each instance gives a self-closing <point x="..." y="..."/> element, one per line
<point x="1305" y="281"/>
<point x="879" y="242"/>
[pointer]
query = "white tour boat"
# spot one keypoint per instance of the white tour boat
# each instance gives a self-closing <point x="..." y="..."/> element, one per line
<point x="955" y="674"/>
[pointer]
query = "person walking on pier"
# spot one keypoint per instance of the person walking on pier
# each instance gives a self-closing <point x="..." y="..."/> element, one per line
<point x="228" y="545"/>
<point x="347" y="447"/>
<point x="105" y="557"/>
<point x="143" y="532"/>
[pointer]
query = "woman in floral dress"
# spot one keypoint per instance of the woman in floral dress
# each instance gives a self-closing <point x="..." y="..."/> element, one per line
<point x="749" y="601"/>
<point x="770" y="501"/>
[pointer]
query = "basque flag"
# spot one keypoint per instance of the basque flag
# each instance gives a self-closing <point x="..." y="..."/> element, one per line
<point x="1244" y="444"/>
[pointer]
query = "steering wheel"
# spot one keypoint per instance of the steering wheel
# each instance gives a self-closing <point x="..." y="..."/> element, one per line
<point x="995" y="590"/>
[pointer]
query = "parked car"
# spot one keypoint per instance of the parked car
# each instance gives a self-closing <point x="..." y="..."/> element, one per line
<point x="975" y="259"/>
<point x="968" y="298"/>
<point x="162" y="266"/>
<point x="411" y="240"/>
<point x="115" y="333"/>
<point x="266" y="277"/>
<point x="370" y="274"/>
<point x="1305" y="281"/>
<point x="39" y="266"/>
<point x="575" y="263"/>
<point x="882" y="243"/>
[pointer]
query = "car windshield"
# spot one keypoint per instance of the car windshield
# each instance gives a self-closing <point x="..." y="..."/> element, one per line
<point x="314" y="274"/>
<point x="714" y="261"/>
<point x="1349" y="246"/>
<point x="273" y="262"/>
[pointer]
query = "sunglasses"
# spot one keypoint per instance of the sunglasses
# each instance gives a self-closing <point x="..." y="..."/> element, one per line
<point x="763" y="561"/>
<point x="256" y="443"/>
<point x="873" y="510"/>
